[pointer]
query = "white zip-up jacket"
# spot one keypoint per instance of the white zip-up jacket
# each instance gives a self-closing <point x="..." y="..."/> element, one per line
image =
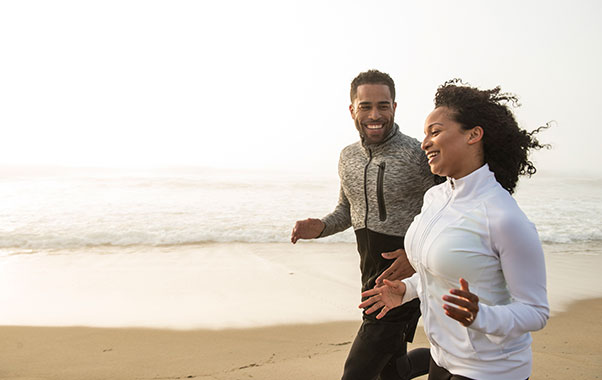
<point x="473" y="228"/>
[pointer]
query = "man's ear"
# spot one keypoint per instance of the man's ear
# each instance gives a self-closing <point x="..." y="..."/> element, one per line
<point x="475" y="135"/>
<point x="352" y="111"/>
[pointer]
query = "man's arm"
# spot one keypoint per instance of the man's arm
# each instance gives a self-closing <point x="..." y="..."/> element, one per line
<point x="336" y="221"/>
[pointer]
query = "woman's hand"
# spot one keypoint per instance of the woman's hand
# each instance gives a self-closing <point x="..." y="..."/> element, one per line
<point x="387" y="297"/>
<point x="468" y="304"/>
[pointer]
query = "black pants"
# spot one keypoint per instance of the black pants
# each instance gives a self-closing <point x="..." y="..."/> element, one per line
<point x="379" y="351"/>
<point x="440" y="373"/>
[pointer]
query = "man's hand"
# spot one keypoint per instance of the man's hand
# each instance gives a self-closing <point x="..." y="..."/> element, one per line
<point x="400" y="268"/>
<point x="307" y="229"/>
<point x="385" y="297"/>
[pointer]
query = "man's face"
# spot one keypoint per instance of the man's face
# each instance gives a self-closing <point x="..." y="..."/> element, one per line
<point x="373" y="112"/>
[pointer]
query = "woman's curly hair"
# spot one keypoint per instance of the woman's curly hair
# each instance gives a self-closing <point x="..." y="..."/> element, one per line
<point x="505" y="144"/>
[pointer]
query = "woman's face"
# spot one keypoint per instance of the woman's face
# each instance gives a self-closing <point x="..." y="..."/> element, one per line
<point x="447" y="145"/>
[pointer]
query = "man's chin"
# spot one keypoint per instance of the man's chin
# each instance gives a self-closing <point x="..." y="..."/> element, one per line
<point x="373" y="136"/>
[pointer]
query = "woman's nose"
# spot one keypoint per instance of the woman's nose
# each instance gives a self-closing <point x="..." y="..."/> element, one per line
<point x="425" y="143"/>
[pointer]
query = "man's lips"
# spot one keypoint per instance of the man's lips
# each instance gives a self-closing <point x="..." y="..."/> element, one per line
<point x="373" y="126"/>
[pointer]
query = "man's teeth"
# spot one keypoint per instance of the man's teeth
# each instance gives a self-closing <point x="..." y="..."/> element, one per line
<point x="374" y="126"/>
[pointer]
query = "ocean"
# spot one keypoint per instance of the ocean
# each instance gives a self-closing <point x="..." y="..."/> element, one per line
<point x="78" y="209"/>
<point x="195" y="248"/>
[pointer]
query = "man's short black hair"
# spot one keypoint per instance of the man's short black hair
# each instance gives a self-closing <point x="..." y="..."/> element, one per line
<point x="372" y="77"/>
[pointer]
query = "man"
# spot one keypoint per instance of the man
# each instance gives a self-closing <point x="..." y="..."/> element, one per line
<point x="383" y="180"/>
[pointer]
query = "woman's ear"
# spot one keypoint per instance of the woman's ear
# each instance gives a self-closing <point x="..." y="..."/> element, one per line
<point x="475" y="135"/>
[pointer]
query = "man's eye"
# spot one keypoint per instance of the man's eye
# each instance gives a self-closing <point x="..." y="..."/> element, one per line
<point x="384" y="107"/>
<point x="364" y="107"/>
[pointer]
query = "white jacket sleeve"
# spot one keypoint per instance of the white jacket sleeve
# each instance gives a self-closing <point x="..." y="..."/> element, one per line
<point x="411" y="288"/>
<point x="515" y="240"/>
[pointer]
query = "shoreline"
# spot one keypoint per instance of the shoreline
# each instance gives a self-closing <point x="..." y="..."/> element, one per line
<point x="173" y="287"/>
<point x="568" y="347"/>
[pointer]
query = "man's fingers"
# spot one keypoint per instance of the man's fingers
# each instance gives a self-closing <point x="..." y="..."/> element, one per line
<point x="385" y="275"/>
<point x="393" y="254"/>
<point x="294" y="234"/>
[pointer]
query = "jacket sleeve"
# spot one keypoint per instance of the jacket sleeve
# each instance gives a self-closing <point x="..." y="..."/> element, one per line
<point x="521" y="256"/>
<point x="411" y="288"/>
<point x="338" y="220"/>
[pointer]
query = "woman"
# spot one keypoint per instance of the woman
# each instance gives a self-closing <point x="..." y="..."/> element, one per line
<point x="471" y="232"/>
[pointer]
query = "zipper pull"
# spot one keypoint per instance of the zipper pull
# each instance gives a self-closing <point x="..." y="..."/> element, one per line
<point x="451" y="181"/>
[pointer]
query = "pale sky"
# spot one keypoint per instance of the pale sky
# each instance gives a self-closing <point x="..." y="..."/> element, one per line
<point x="265" y="84"/>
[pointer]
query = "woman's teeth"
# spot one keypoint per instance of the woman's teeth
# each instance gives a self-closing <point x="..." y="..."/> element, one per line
<point x="431" y="155"/>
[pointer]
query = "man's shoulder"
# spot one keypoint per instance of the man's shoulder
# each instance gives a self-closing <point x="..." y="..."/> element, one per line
<point x="408" y="149"/>
<point x="354" y="148"/>
<point x="401" y="139"/>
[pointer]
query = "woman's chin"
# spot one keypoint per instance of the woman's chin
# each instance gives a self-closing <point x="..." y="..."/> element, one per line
<point x="436" y="171"/>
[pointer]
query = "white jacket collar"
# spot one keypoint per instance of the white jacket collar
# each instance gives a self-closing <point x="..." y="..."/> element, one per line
<point x="476" y="183"/>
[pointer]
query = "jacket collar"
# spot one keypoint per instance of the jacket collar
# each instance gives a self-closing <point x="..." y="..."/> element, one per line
<point x="472" y="185"/>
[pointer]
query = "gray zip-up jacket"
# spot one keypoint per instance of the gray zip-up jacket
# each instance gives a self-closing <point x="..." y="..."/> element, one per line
<point x="382" y="186"/>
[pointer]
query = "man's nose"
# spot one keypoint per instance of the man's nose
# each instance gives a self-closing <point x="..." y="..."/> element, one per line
<point x="374" y="113"/>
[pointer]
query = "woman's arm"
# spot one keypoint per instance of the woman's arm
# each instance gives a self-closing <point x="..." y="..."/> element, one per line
<point x="516" y="241"/>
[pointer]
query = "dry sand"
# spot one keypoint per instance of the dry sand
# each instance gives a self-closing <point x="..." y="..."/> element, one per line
<point x="568" y="348"/>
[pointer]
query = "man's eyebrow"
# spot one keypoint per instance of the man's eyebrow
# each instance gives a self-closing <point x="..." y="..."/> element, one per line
<point x="381" y="102"/>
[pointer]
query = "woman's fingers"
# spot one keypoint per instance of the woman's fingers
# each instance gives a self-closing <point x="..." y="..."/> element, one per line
<point x="369" y="302"/>
<point x="467" y="302"/>
<point x="371" y="292"/>
<point x="464" y="317"/>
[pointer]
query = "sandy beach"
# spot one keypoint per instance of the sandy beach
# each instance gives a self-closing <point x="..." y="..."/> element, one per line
<point x="568" y="348"/>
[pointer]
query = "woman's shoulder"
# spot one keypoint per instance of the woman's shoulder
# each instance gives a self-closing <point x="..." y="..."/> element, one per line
<point x="503" y="211"/>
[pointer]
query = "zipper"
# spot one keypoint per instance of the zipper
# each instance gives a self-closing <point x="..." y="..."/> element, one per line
<point x="368" y="242"/>
<point x="380" y="195"/>
<point x="366" y="187"/>
<point x="434" y="219"/>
